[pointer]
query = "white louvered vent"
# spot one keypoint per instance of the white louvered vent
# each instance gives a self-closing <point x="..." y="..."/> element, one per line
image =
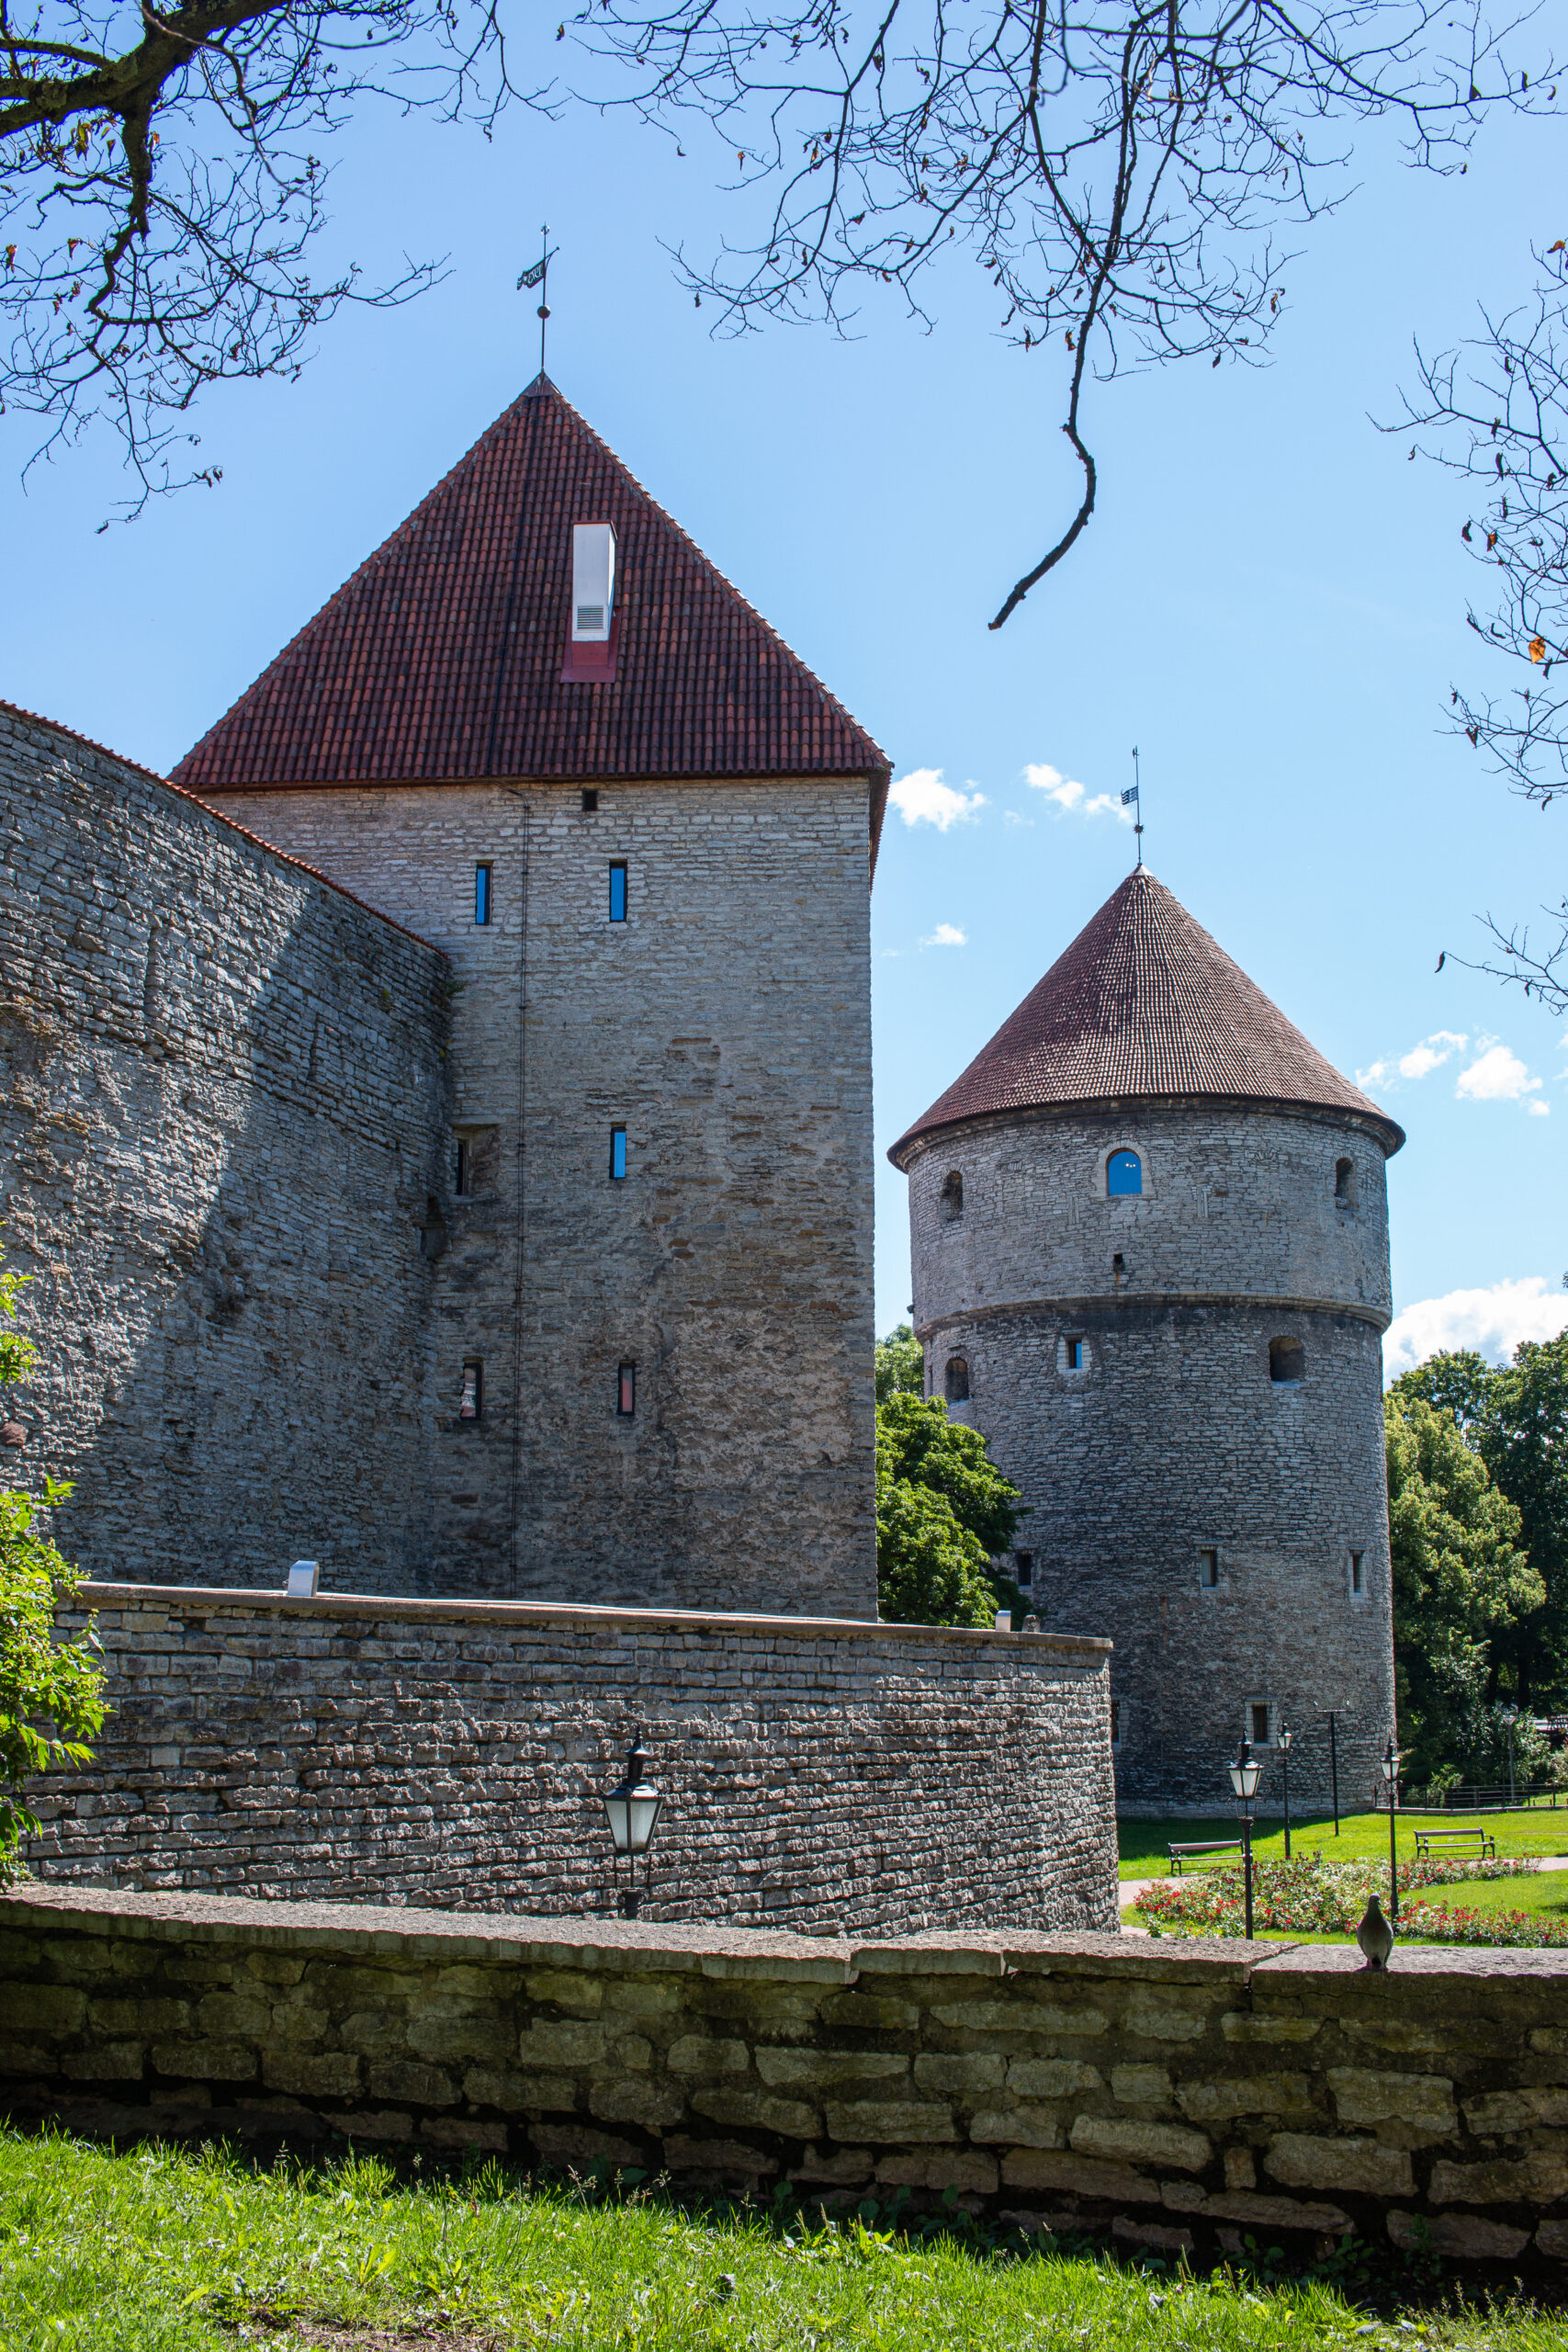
<point x="593" y="582"/>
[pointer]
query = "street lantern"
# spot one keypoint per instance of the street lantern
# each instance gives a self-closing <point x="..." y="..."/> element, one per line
<point x="1391" y="1764"/>
<point x="1283" y="1743"/>
<point x="632" y="1808"/>
<point x="1244" y="1775"/>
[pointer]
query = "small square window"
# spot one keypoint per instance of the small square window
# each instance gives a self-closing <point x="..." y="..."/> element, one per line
<point x="481" y="894"/>
<point x="1023" y="1567"/>
<point x="472" y="1406"/>
<point x="626" y="1391"/>
<point x="617" y="1153"/>
<point x="1074" y="1355"/>
<point x="1209" y="1570"/>
<point x="617" y="894"/>
<point x="1259" y="1722"/>
<point x="1358" y="1575"/>
<point x="590" y="802"/>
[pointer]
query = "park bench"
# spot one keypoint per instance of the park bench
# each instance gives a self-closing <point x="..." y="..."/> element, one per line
<point x="1482" y="1840"/>
<point x="1179" y="1854"/>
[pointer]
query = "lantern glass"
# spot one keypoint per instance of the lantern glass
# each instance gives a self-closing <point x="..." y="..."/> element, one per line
<point x="632" y="1808"/>
<point x="1244" y="1774"/>
<point x="1391" y="1763"/>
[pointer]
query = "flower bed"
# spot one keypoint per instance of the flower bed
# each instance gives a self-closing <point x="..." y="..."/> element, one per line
<point x="1446" y="1923"/>
<point x="1315" y="1897"/>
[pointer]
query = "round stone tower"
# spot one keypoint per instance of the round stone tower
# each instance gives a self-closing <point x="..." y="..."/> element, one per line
<point x="1150" y="1239"/>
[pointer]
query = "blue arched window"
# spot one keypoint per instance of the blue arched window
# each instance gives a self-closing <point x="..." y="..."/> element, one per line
<point x="1124" y="1173"/>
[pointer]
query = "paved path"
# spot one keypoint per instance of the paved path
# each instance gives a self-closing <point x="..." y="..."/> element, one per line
<point x="1133" y="1887"/>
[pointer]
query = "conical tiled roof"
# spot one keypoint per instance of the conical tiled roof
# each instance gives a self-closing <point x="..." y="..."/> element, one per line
<point x="1144" y="1003"/>
<point x="440" y="661"/>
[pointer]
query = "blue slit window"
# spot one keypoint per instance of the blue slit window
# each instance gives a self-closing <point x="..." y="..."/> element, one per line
<point x="626" y="1391"/>
<point x="617" y="894"/>
<point x="617" y="1153"/>
<point x="1123" y="1175"/>
<point x="481" y="894"/>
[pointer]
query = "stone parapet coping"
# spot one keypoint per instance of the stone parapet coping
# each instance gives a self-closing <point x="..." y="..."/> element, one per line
<point x="521" y="1614"/>
<point x="712" y="1947"/>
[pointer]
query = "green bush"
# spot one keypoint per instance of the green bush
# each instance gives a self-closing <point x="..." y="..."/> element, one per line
<point x="51" y="1692"/>
<point x="943" y="1509"/>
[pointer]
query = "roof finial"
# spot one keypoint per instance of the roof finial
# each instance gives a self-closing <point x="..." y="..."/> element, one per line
<point x="1132" y="799"/>
<point x="539" y="275"/>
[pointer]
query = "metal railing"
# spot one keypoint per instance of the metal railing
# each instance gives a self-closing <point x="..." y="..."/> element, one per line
<point x="1483" y="1796"/>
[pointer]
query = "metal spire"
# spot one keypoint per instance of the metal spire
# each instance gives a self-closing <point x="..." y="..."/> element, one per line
<point x="1133" y="800"/>
<point x="539" y="275"/>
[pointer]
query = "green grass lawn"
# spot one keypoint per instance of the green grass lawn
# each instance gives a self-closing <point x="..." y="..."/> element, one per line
<point x="1362" y="1835"/>
<point x="159" y="2251"/>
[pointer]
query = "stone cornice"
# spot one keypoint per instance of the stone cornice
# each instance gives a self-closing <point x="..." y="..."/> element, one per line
<point x="1158" y="1300"/>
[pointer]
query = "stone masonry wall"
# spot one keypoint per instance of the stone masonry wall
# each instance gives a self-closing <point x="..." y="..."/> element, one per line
<point x="1172" y="1440"/>
<point x="222" y="1118"/>
<point x="833" y="1775"/>
<point x="1178" y="2099"/>
<point x="725" y="1024"/>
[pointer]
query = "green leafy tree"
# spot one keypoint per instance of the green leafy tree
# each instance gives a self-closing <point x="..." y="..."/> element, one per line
<point x="1461" y="1580"/>
<point x="901" y="1365"/>
<point x="51" y="1691"/>
<point x="943" y="1509"/>
<point x="1516" y="1417"/>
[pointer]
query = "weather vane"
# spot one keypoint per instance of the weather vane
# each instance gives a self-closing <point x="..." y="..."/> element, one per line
<point x="1132" y="799"/>
<point x="539" y="276"/>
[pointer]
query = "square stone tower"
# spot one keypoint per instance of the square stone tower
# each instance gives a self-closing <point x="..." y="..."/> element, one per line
<point x="541" y="730"/>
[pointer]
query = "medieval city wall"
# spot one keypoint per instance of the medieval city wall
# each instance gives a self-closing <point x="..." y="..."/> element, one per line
<point x="224" y="1100"/>
<point x="725" y="1024"/>
<point x="1198" y="2097"/>
<point x="1171" y="1440"/>
<point x="831" y="1775"/>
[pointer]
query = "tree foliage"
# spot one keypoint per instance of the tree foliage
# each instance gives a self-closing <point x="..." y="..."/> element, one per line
<point x="51" y="1692"/>
<point x="943" y="1508"/>
<point x="901" y="1365"/>
<point x="1516" y="1416"/>
<point x="1460" y="1578"/>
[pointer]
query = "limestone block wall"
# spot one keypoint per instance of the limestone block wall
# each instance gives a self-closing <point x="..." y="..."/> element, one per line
<point x="1182" y="2099"/>
<point x="725" y="1024"/>
<point x="223" y="1113"/>
<point x="1204" y="1515"/>
<point x="834" y="1775"/>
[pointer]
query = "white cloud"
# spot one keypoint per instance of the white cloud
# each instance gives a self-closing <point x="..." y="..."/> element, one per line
<point x="1493" y="1321"/>
<point x="1069" y="797"/>
<point x="946" y="934"/>
<point x="1011" y="816"/>
<point x="1497" y="1076"/>
<point x="1431" y="1053"/>
<point x="922" y="799"/>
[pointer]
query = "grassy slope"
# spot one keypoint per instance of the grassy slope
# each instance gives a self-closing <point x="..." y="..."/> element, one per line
<point x="1362" y="1835"/>
<point x="164" y="2252"/>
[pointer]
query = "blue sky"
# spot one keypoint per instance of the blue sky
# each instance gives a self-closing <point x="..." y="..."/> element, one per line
<point x="1269" y="603"/>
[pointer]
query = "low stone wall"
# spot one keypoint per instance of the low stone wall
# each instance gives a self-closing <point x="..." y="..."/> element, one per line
<point x="822" y="1773"/>
<point x="1179" y="2097"/>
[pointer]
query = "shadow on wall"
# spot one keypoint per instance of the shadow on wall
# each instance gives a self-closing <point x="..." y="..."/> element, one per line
<point x="220" y="1147"/>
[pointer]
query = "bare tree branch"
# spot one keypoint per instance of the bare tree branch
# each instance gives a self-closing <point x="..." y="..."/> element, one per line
<point x="1119" y="168"/>
<point x="1495" y="413"/>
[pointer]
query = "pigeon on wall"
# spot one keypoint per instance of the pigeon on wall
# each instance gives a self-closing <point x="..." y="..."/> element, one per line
<point x="1374" y="1935"/>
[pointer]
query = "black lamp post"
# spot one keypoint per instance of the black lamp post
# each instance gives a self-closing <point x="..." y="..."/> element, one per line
<point x="1511" y="1718"/>
<point x="1244" y="1782"/>
<point x="1391" y="1774"/>
<point x="632" y="1808"/>
<point x="1284" y="1745"/>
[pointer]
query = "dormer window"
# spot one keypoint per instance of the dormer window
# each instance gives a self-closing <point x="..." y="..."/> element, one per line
<point x="1123" y="1175"/>
<point x="594" y="631"/>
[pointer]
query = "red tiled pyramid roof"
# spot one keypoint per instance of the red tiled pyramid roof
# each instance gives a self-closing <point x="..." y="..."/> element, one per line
<point x="440" y="661"/>
<point x="1144" y="1003"/>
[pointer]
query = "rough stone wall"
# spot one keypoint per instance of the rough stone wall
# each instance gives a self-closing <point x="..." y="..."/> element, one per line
<point x="726" y="1025"/>
<point x="1173" y="1440"/>
<point x="224" y="1114"/>
<point x="833" y="1775"/>
<point x="1177" y="2099"/>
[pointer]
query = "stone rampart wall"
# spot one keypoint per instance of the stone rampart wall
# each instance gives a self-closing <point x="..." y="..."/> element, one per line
<point x="828" y="1774"/>
<point x="1179" y="2098"/>
<point x="223" y="1113"/>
